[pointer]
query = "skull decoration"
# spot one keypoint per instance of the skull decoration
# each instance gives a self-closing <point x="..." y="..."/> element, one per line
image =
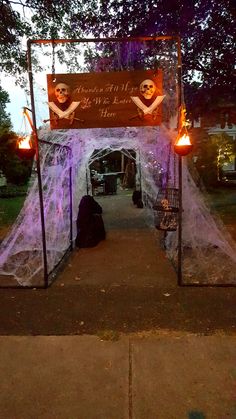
<point x="147" y="88"/>
<point x="62" y="92"/>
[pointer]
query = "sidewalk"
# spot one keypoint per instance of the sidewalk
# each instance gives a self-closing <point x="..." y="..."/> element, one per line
<point x="114" y="337"/>
<point x="81" y="377"/>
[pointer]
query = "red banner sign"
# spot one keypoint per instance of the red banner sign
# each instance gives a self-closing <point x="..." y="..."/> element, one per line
<point x="100" y="100"/>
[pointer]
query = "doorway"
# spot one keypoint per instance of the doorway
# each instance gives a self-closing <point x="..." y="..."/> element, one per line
<point x="111" y="172"/>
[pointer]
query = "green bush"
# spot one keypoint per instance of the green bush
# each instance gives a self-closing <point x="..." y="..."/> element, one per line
<point x="212" y="151"/>
<point x="15" y="170"/>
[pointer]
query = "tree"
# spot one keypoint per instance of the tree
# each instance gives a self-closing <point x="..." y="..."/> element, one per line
<point x="211" y="153"/>
<point x="15" y="170"/>
<point x="207" y="29"/>
<point x="13" y="28"/>
<point x="5" y="122"/>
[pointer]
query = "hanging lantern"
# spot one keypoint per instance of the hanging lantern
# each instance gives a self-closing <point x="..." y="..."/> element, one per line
<point x="183" y="145"/>
<point x="24" y="148"/>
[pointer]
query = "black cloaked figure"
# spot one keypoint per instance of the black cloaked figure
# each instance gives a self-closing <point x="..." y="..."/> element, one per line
<point x="90" y="226"/>
<point x="137" y="199"/>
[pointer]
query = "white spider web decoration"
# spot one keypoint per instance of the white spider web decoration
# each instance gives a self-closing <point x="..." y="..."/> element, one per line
<point x="209" y="254"/>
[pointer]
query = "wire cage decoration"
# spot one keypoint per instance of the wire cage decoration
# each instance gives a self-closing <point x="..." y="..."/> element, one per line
<point x="166" y="206"/>
<point x="166" y="209"/>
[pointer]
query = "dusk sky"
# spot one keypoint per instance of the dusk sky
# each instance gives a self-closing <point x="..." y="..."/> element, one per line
<point x="19" y="99"/>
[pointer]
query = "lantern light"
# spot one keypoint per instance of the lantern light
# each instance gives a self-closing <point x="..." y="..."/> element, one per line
<point x="183" y="145"/>
<point x="25" y="143"/>
<point x="24" y="146"/>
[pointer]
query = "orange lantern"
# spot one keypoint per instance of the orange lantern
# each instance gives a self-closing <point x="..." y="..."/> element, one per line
<point x="24" y="148"/>
<point x="183" y="145"/>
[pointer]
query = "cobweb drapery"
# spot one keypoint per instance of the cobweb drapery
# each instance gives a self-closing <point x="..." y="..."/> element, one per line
<point x="209" y="255"/>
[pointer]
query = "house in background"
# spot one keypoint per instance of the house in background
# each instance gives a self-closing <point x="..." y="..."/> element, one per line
<point x="220" y="120"/>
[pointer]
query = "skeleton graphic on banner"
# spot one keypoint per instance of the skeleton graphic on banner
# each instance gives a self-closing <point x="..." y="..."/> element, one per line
<point x="149" y="101"/>
<point x="63" y="107"/>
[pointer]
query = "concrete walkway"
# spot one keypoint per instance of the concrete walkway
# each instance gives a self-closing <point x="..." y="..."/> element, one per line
<point x="130" y="255"/>
<point x="82" y="377"/>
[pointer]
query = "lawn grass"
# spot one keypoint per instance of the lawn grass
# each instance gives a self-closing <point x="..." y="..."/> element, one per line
<point x="9" y="209"/>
